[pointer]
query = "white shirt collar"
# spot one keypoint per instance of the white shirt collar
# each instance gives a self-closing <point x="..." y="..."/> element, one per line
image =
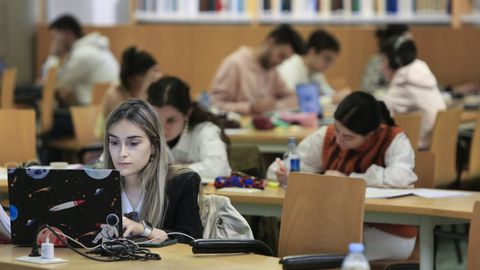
<point x="127" y="206"/>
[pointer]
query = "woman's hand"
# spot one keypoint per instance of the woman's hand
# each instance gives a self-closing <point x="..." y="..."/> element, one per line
<point x="281" y="173"/>
<point x="131" y="227"/>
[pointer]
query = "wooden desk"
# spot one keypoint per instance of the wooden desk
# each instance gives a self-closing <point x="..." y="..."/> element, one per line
<point x="269" y="141"/>
<point x="413" y="210"/>
<point x="173" y="257"/>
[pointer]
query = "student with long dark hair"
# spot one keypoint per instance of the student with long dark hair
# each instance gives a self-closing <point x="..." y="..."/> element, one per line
<point x="364" y="143"/>
<point x="193" y="134"/>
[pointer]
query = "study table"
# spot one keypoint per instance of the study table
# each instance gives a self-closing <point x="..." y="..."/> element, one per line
<point x="275" y="140"/>
<point x="178" y="256"/>
<point x="412" y="210"/>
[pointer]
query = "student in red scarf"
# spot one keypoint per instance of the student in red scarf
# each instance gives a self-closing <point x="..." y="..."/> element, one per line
<point x="364" y="143"/>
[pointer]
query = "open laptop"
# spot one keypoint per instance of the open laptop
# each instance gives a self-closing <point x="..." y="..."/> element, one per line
<point x="83" y="204"/>
<point x="308" y="99"/>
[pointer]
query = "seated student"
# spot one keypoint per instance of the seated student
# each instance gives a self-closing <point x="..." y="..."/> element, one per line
<point x="321" y="52"/>
<point x="152" y="190"/>
<point x="138" y="70"/>
<point x="373" y="78"/>
<point x="247" y="81"/>
<point x="82" y="61"/>
<point x="359" y="145"/>
<point x="193" y="134"/>
<point x="412" y="85"/>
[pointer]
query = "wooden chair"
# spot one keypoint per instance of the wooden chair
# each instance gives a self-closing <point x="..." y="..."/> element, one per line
<point x="84" y="119"/>
<point x="425" y="169"/>
<point x="444" y="146"/>
<point x="410" y="123"/>
<point x="17" y="138"/>
<point x="8" y="88"/>
<point x="247" y="159"/>
<point x="473" y="170"/>
<point x="98" y="92"/>
<point x="46" y="104"/>
<point x="312" y="201"/>
<point x="473" y="260"/>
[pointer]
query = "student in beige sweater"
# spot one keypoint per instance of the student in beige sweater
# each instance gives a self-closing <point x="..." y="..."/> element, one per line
<point x="247" y="80"/>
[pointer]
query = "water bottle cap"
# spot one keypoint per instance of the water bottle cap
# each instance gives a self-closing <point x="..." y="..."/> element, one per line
<point x="356" y="247"/>
<point x="292" y="140"/>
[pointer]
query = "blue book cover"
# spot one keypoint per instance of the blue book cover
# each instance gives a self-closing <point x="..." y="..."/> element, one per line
<point x="392" y="6"/>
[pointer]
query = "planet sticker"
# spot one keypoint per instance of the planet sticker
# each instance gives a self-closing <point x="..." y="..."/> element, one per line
<point x="13" y="212"/>
<point x="98" y="174"/>
<point x="37" y="173"/>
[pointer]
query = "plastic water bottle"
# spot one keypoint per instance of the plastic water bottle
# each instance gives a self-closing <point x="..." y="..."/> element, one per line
<point x="291" y="158"/>
<point x="355" y="259"/>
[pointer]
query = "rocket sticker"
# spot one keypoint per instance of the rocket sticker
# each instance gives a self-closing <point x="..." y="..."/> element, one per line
<point x="67" y="205"/>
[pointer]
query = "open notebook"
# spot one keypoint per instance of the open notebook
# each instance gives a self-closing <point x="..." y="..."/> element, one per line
<point x="376" y="193"/>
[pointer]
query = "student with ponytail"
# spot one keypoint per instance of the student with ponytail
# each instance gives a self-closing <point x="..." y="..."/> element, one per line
<point x="363" y="143"/>
<point x="138" y="70"/>
<point x="193" y="134"/>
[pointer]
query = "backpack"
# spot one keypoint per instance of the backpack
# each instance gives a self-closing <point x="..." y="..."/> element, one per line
<point x="221" y="220"/>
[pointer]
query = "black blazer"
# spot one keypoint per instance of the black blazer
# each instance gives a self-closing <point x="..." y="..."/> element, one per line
<point x="183" y="212"/>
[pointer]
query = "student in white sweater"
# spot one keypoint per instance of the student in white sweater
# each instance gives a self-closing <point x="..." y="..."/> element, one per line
<point x="321" y="52"/>
<point x="193" y="134"/>
<point x="412" y="85"/>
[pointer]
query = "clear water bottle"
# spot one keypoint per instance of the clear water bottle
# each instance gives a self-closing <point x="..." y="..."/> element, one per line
<point x="291" y="159"/>
<point x="355" y="259"/>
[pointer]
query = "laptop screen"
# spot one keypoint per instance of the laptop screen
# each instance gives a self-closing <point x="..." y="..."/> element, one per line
<point x="308" y="100"/>
<point x="84" y="204"/>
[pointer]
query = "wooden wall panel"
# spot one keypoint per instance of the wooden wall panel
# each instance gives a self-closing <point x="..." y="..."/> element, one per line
<point x="194" y="52"/>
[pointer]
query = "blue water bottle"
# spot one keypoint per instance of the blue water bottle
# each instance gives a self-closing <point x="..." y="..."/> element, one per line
<point x="291" y="157"/>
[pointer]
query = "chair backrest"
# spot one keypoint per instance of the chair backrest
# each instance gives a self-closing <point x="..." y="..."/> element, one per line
<point x="84" y="119"/>
<point x="46" y="104"/>
<point x="321" y="214"/>
<point x="98" y="92"/>
<point x="8" y="88"/>
<point x="473" y="260"/>
<point x="17" y="138"/>
<point x="425" y="169"/>
<point x="474" y="160"/>
<point x="444" y="146"/>
<point x="410" y="123"/>
<point x="247" y="159"/>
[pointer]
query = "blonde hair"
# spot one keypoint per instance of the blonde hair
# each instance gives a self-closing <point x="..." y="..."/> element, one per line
<point x="157" y="172"/>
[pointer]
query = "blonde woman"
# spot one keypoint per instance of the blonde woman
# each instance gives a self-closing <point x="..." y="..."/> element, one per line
<point x="156" y="198"/>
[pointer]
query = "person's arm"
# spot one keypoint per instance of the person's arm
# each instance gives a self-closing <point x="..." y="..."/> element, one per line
<point x="75" y="69"/>
<point x="325" y="88"/>
<point x="398" y="170"/>
<point x="310" y="151"/>
<point x="225" y="87"/>
<point x="285" y="97"/>
<point x="213" y="158"/>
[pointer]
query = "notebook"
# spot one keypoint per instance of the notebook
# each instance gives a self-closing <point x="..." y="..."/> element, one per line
<point x="83" y="204"/>
<point x="308" y="99"/>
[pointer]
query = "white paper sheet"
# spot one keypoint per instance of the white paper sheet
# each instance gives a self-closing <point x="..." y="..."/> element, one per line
<point x="372" y="193"/>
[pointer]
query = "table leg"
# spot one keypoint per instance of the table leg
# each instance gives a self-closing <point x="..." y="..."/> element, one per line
<point x="426" y="243"/>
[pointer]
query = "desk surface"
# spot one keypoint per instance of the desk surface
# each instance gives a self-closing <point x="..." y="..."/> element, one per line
<point x="453" y="207"/>
<point x="277" y="135"/>
<point x="173" y="257"/>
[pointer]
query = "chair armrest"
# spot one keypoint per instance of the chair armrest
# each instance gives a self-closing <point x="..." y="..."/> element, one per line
<point x="403" y="266"/>
<point x="230" y="246"/>
<point x="312" y="261"/>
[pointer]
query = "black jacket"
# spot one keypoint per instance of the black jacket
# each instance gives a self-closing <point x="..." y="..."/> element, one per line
<point x="183" y="212"/>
